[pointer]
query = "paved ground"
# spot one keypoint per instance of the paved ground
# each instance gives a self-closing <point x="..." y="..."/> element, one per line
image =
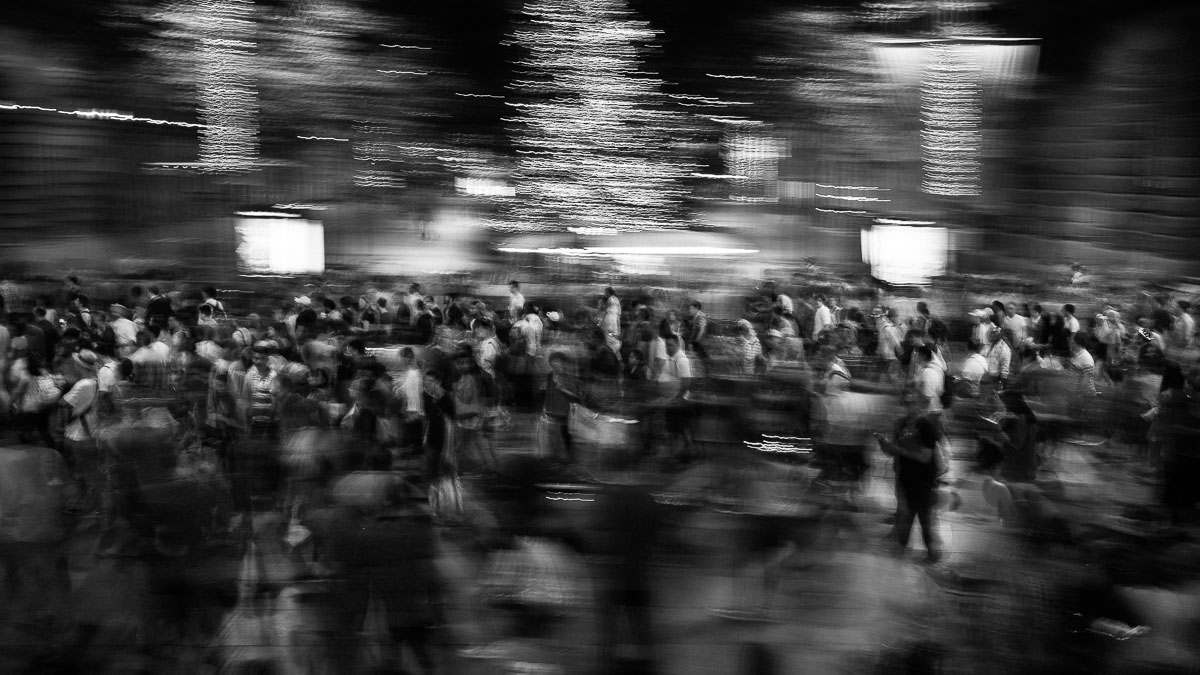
<point x="844" y="604"/>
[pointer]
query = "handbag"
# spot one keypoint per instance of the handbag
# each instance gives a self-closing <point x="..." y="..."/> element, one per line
<point x="445" y="498"/>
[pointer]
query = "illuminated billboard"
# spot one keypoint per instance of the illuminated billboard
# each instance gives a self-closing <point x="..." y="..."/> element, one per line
<point x="905" y="254"/>
<point x="283" y="244"/>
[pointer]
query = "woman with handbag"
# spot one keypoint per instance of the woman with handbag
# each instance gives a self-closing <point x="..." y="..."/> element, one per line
<point x="34" y="397"/>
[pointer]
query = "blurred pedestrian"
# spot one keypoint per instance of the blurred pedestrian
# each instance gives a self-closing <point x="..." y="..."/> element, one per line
<point x="914" y="446"/>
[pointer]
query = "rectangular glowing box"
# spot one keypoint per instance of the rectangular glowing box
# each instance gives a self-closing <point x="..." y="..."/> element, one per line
<point x="280" y="245"/>
<point x="906" y="255"/>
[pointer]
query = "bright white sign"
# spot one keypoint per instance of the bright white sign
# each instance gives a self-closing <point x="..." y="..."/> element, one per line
<point x="905" y="255"/>
<point x="280" y="246"/>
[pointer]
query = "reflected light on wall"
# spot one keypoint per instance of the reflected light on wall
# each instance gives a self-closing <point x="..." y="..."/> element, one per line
<point x="906" y="255"/>
<point x="280" y="245"/>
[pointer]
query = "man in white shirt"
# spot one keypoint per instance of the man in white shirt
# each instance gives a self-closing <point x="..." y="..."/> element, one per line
<point x="409" y="390"/>
<point x="1084" y="366"/>
<point x="1072" y="324"/>
<point x="516" y="300"/>
<point x="410" y="300"/>
<point x="1015" y="324"/>
<point x="974" y="367"/>
<point x="931" y="381"/>
<point x="999" y="358"/>
<point x="489" y="346"/>
<point x="124" y="329"/>
<point x="675" y="384"/>
<point x="80" y="404"/>
<point x="823" y="319"/>
<point x="533" y="330"/>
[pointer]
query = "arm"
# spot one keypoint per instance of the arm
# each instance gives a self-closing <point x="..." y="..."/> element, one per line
<point x="685" y="386"/>
<point x="922" y="454"/>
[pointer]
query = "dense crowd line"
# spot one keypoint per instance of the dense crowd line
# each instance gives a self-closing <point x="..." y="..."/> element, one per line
<point x="305" y="403"/>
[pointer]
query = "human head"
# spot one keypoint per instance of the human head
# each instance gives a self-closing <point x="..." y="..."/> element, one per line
<point x="483" y="328"/>
<point x="1068" y="310"/>
<point x="745" y="328"/>
<point x="514" y="285"/>
<point x="694" y="307"/>
<point x="922" y="308"/>
<point x="672" y="341"/>
<point x="407" y="357"/>
<point x="974" y="345"/>
<point x="1010" y="309"/>
<point x="925" y="353"/>
<point x="1078" y="343"/>
<point x="209" y="292"/>
<point x="994" y="335"/>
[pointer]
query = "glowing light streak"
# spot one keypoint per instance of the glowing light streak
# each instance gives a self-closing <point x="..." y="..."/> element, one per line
<point x="457" y="93"/>
<point x="101" y="115"/>
<point x="301" y="207"/>
<point x="853" y="198"/>
<point x="323" y="138"/>
<point x="607" y="251"/>
<point x="405" y="47"/>
<point x="266" y="214"/>
<point x="841" y="211"/>
<point x="866" y="188"/>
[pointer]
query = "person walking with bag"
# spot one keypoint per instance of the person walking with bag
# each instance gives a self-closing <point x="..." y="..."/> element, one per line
<point x="914" y="446"/>
<point x="82" y="452"/>
<point x="33" y="399"/>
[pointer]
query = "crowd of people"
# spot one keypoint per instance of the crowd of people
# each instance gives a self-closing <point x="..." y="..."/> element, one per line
<point x="289" y="407"/>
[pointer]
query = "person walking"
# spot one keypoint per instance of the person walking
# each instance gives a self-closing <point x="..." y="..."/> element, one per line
<point x="914" y="446"/>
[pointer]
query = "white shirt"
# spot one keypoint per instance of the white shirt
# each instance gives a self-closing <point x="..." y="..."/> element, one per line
<point x="410" y="389"/>
<point x="126" y="332"/>
<point x="489" y="349"/>
<point x="1083" y="362"/>
<point x="82" y="398"/>
<point x="1072" y="324"/>
<point x="1017" y="325"/>
<point x="930" y="384"/>
<point x="106" y="377"/>
<point x="999" y="359"/>
<point x="822" y="320"/>
<point x="677" y="369"/>
<point x="982" y="332"/>
<point x="973" y="369"/>
<point x="516" y="303"/>
<point x="533" y="334"/>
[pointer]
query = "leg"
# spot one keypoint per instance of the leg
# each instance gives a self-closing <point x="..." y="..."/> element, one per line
<point x="905" y="513"/>
<point x="925" y="514"/>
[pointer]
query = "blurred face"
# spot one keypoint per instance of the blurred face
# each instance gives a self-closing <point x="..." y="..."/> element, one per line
<point x="1010" y="309"/>
<point x="432" y="386"/>
<point x="672" y="347"/>
<point x="259" y="359"/>
<point x="692" y="311"/>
